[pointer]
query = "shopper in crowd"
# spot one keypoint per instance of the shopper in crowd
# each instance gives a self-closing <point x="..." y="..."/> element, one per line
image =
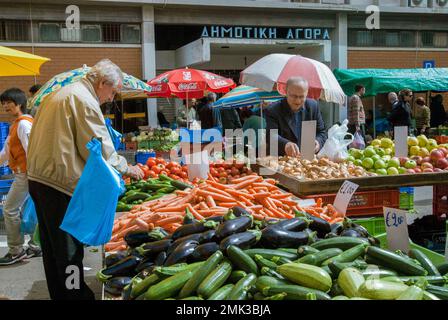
<point x="208" y="115"/>
<point x="392" y="97"/>
<point x="70" y="117"/>
<point x="31" y="93"/>
<point x="422" y="116"/>
<point x="356" y="114"/>
<point x="401" y="110"/>
<point x="230" y="119"/>
<point x="287" y="115"/>
<point x="438" y="113"/>
<point x="15" y="153"/>
<point x="161" y="117"/>
<point x="187" y="113"/>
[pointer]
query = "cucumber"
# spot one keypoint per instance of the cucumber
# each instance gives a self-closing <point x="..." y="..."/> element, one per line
<point x="316" y="259"/>
<point x="242" y="260"/>
<point x="443" y="268"/>
<point x="306" y="275"/>
<point x="378" y="273"/>
<point x="429" y="296"/>
<point x="396" y="262"/>
<point x="295" y="292"/>
<point x="270" y="253"/>
<point x="201" y="273"/>
<point x="239" y="291"/>
<point x="340" y="298"/>
<point x="411" y="293"/>
<point x="350" y="279"/>
<point x="272" y="273"/>
<point x="381" y="290"/>
<point x="262" y="262"/>
<point x="236" y="276"/>
<point x="305" y="250"/>
<point x="343" y="243"/>
<point x="215" y="280"/>
<point x="439" y="292"/>
<point x="169" y="287"/>
<point x="267" y="281"/>
<point x="348" y="255"/>
<point x="425" y="262"/>
<point x="222" y="293"/>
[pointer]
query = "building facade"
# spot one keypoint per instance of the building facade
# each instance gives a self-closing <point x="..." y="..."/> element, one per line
<point x="146" y="37"/>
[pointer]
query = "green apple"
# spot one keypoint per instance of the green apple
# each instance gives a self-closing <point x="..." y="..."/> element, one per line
<point x="386" y="143"/>
<point x="358" y="162"/>
<point x="367" y="163"/>
<point x="380" y="152"/>
<point x="376" y="158"/>
<point x="382" y="172"/>
<point x="350" y="159"/>
<point x="412" y="141"/>
<point x="380" y="164"/>
<point x="376" y="142"/>
<point x="410" y="164"/>
<point x="386" y="158"/>
<point x="422" y="140"/>
<point x="402" y="170"/>
<point x="392" y="171"/>
<point x="369" y="152"/>
<point x="394" y="163"/>
<point x="432" y="143"/>
<point x="388" y="151"/>
<point x="414" y="150"/>
<point x="358" y="154"/>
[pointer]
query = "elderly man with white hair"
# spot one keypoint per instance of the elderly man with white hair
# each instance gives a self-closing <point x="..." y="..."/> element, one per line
<point x="287" y="115"/>
<point x="66" y="121"/>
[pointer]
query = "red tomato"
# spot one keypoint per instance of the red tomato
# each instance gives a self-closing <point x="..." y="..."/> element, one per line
<point x="244" y="170"/>
<point x="176" y="171"/>
<point x="151" y="162"/>
<point x="235" y="171"/>
<point x="229" y="172"/>
<point x="239" y="166"/>
<point x="160" y="161"/>
<point x="184" y="175"/>
<point x="237" y="176"/>
<point x="152" y="174"/>
<point x="156" y="169"/>
<point x="173" y="176"/>
<point x="214" y="172"/>
<point x="221" y="169"/>
<point x="164" y="172"/>
<point x="184" y="168"/>
<point x="228" y="166"/>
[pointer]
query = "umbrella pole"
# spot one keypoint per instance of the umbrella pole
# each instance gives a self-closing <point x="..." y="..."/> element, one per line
<point x="374" y="118"/>
<point x="122" y="116"/>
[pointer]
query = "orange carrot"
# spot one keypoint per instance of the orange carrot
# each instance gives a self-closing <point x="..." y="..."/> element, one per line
<point x="215" y="196"/>
<point x="124" y="232"/>
<point x="203" y="206"/>
<point x="247" y="182"/>
<point x="195" y="214"/>
<point x="319" y="202"/>
<point x="215" y="190"/>
<point x="180" y="208"/>
<point x="210" y="202"/>
<point x="281" y="195"/>
<point x="141" y="223"/>
<point x="170" y="220"/>
<point x="238" y="193"/>
<point x="228" y="204"/>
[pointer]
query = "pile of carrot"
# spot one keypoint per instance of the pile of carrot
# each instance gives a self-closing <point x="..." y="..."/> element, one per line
<point x="259" y="196"/>
<point x="327" y="212"/>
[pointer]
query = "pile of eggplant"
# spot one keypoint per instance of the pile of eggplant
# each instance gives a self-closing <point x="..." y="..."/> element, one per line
<point x="197" y="240"/>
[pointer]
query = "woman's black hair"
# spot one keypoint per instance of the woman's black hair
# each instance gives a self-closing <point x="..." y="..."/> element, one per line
<point x="35" y="88"/>
<point x="14" y="95"/>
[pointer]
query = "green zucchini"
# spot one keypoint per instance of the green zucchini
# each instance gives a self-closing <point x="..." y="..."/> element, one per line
<point x="348" y="255"/>
<point x="343" y="243"/>
<point x="192" y="298"/>
<point x="272" y="273"/>
<point x="378" y="273"/>
<point x="337" y="267"/>
<point x="180" y="185"/>
<point x="328" y="270"/>
<point x="169" y="287"/>
<point x="278" y="296"/>
<point x="439" y="292"/>
<point x="411" y="293"/>
<point x="262" y="262"/>
<point x="396" y="262"/>
<point x="259" y="296"/>
<point x="316" y="259"/>
<point x="429" y="296"/>
<point x="280" y="260"/>
<point x="443" y="268"/>
<point x="381" y="290"/>
<point x="425" y="262"/>
<point x="268" y="281"/>
<point x="142" y="286"/>
<point x="270" y="253"/>
<point x="201" y="273"/>
<point x="290" y="250"/>
<point x="295" y="292"/>
<point x="350" y="279"/>
<point x="174" y="269"/>
<point x="215" y="280"/>
<point x="433" y="280"/>
<point x="222" y="293"/>
<point x="340" y="298"/>
<point x="236" y="276"/>
<point x="239" y="291"/>
<point x="242" y="260"/>
<point x="305" y="250"/>
<point x="306" y="275"/>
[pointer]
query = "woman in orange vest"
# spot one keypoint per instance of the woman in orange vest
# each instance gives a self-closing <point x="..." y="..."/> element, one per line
<point x="14" y="152"/>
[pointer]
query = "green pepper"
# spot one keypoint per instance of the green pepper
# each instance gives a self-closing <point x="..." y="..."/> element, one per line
<point x="167" y="190"/>
<point x="135" y="197"/>
<point x="123" y="207"/>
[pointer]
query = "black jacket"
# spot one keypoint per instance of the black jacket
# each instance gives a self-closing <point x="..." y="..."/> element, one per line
<point x="400" y="115"/>
<point x="279" y="116"/>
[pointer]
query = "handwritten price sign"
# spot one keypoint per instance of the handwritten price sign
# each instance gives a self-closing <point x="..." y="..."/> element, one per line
<point x="344" y="196"/>
<point x="397" y="229"/>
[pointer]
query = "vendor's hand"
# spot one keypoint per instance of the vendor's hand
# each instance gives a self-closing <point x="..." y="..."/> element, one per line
<point x="316" y="146"/>
<point x="135" y="172"/>
<point x="292" y="150"/>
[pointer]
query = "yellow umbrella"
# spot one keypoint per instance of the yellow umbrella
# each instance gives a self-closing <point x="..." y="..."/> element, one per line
<point x="19" y="63"/>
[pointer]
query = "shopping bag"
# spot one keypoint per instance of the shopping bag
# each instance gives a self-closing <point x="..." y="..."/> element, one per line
<point x="91" y="211"/>
<point x="358" y="141"/>
<point x="335" y="148"/>
<point x="29" y="217"/>
<point x="114" y="134"/>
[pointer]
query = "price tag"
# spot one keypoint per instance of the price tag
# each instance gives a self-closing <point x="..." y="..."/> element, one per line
<point x="396" y="229"/>
<point x="344" y="196"/>
<point x="401" y="141"/>
<point x="308" y="138"/>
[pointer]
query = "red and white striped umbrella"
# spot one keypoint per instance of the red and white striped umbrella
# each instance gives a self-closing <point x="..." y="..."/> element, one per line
<point x="271" y="72"/>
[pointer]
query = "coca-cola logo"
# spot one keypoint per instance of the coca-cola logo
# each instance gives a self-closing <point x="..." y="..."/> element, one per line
<point x="186" y="75"/>
<point x="157" y="88"/>
<point x="188" y="86"/>
<point x="220" y="83"/>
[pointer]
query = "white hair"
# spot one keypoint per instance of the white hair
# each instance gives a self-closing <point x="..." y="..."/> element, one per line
<point x="297" y="81"/>
<point x="105" y="70"/>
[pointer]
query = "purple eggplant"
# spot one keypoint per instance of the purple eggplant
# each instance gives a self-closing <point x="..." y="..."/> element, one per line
<point x="151" y="249"/>
<point x="115" y="285"/>
<point x="192" y="237"/>
<point x="115" y="257"/>
<point x="272" y="237"/>
<point x="160" y="259"/>
<point x="294" y="224"/>
<point x="195" y="227"/>
<point x="244" y="240"/>
<point x="351" y="233"/>
<point x="181" y="253"/>
<point x="232" y="226"/>
<point x="203" y="251"/>
<point x="124" y="268"/>
<point x="208" y="236"/>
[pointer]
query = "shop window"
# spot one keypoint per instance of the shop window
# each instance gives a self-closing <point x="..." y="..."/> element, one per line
<point x="2" y="31"/>
<point x="427" y="38"/>
<point x="91" y="33"/>
<point x="49" y="32"/>
<point x="440" y="40"/>
<point x="364" y="38"/>
<point x="130" y="33"/>
<point x="407" y="39"/>
<point x="17" y="30"/>
<point x="70" y="35"/>
<point x="392" y="39"/>
<point x="111" y="32"/>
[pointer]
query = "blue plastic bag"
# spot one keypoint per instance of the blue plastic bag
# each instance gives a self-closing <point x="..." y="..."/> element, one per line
<point x="114" y="134"/>
<point x="29" y="217"/>
<point x="91" y="211"/>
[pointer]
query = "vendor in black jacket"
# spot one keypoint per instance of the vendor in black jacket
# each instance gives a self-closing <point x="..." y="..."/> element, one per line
<point x="287" y="115"/>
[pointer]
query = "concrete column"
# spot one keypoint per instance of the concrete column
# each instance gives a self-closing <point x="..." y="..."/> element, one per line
<point x="149" y="58"/>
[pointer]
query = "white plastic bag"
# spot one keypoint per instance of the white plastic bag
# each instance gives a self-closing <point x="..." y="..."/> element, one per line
<point x="335" y="148"/>
<point x="358" y="141"/>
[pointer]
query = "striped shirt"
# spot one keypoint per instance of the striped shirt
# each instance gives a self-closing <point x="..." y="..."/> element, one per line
<point x="356" y="115"/>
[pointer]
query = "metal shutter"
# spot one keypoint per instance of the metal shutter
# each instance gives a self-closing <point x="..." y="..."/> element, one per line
<point x="169" y="106"/>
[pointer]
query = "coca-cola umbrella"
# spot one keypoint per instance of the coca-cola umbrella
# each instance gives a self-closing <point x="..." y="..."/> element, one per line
<point x="271" y="73"/>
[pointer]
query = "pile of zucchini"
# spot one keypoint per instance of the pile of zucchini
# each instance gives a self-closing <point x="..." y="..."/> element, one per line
<point x="237" y="258"/>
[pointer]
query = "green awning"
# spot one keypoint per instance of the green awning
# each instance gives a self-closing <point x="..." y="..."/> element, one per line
<point x="386" y="80"/>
